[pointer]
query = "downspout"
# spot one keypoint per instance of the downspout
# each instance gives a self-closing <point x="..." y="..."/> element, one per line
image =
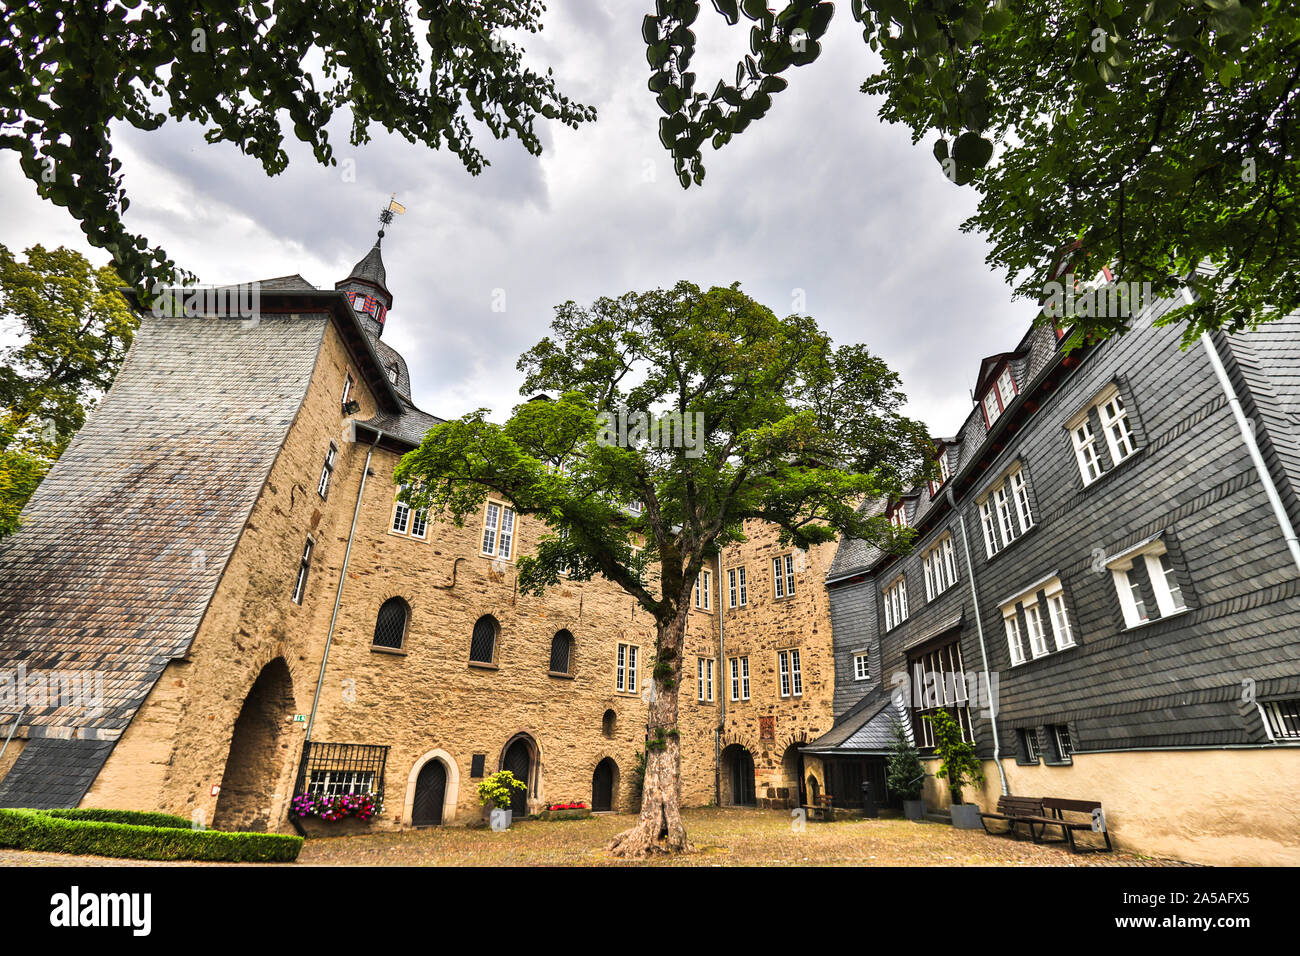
<point x="338" y="594"/>
<point x="725" y="679"/>
<point x="979" y="630"/>
<point x="1252" y="447"/>
<point x="18" y="719"/>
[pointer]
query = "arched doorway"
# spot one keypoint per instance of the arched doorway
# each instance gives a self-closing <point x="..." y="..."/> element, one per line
<point x="792" y="776"/>
<point x="519" y="758"/>
<point x="255" y="762"/>
<point x="737" y="776"/>
<point x="430" y="795"/>
<point x="604" y="785"/>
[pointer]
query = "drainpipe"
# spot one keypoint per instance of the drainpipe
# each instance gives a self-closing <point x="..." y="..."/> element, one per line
<point x="338" y="594"/>
<point x="1252" y="447"/>
<point x="979" y="630"/>
<point x="722" y="695"/>
<point x="18" y="719"/>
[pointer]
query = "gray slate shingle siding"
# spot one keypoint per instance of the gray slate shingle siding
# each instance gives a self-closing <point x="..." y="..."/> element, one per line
<point x="1173" y="682"/>
<point x="122" y="545"/>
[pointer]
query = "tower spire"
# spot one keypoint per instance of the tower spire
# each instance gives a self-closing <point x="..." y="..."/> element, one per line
<point x="366" y="285"/>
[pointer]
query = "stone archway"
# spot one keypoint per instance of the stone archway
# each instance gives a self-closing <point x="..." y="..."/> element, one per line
<point x="520" y="756"/>
<point x="738" y="777"/>
<point x="451" y="786"/>
<point x="604" y="786"/>
<point x="255" y="762"/>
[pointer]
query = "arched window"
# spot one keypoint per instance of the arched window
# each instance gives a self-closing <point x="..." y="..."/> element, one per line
<point x="607" y="723"/>
<point x="562" y="653"/>
<point x="390" y="625"/>
<point x="483" y="644"/>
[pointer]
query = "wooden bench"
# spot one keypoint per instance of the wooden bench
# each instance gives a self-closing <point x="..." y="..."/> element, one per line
<point x="1017" y="810"/>
<point x="1056" y="808"/>
<point x="820" y="807"/>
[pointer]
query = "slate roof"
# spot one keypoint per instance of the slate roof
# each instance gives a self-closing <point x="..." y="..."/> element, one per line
<point x="53" y="773"/>
<point x="122" y="545"/>
<point x="866" y="728"/>
<point x="409" y="426"/>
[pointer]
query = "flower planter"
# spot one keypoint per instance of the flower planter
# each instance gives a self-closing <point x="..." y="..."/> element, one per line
<point x="498" y="819"/>
<point x="966" y="816"/>
<point x="565" y="814"/>
<point x="914" y="809"/>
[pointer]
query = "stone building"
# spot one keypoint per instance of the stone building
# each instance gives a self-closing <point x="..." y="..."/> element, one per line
<point x="220" y="557"/>
<point x="1104" y="588"/>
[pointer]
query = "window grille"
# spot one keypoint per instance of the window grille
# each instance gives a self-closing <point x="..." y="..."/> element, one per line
<point x="334" y="769"/>
<point x="482" y="645"/>
<point x="390" y="625"/>
<point x="561" y="652"/>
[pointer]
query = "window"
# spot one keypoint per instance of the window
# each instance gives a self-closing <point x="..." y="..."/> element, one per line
<point x="1116" y="432"/>
<point x="636" y="507"/>
<point x="338" y="783"/>
<point x="783" y="576"/>
<point x="998" y="398"/>
<point x="300" y="584"/>
<point x="390" y="624"/>
<point x="1062" y="746"/>
<point x="1004" y="511"/>
<point x="740" y="678"/>
<point x="940" y="566"/>
<point x="1037" y="628"/>
<point x="483" y="642"/>
<point x="861" y="666"/>
<point x="347" y="392"/>
<point x="895" y="600"/>
<point x="1142" y="572"/>
<point x="898" y="515"/>
<point x="327" y="471"/>
<point x="1029" y="749"/>
<point x="791" y="675"/>
<point x="625" y="671"/>
<point x="406" y="521"/>
<point x="704" y="672"/>
<point x="737" y="591"/>
<point x="945" y="472"/>
<point x="939" y="683"/>
<point x="562" y="653"/>
<point x="703" y="590"/>
<point x="392" y="372"/>
<point x="1282" y="719"/>
<point x="498" y="530"/>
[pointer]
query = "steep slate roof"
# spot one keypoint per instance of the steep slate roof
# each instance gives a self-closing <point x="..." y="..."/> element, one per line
<point x="123" y="544"/>
<point x="53" y="773"/>
<point x="866" y="728"/>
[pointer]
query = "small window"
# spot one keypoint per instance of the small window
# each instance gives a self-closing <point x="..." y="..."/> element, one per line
<point x="999" y="398"/>
<point x="861" y="666"/>
<point x="1034" y="631"/>
<point x="483" y="642"/>
<point x="737" y="589"/>
<point x="783" y="576"/>
<point x="562" y="653"/>
<point x="1143" y="573"/>
<point x="739" y="678"/>
<point x="407" y="521"/>
<point x="390" y="625"/>
<point x="392" y="372"/>
<point x="1282" y="719"/>
<point x="327" y="471"/>
<point x="1062" y="745"/>
<point x="477" y="765"/>
<point x="1107" y="413"/>
<point x="608" y="723"/>
<point x="347" y="392"/>
<point x="895" y="601"/>
<point x="1029" y="749"/>
<point x="498" y="530"/>
<point x="703" y="590"/>
<point x="790" y="673"/>
<point x="940" y="565"/>
<point x="898" y="515"/>
<point x="625" y="669"/>
<point x="1004" y="511"/>
<point x="704" y="671"/>
<point x="304" y="565"/>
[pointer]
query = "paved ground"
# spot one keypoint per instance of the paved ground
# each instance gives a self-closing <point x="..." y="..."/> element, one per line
<point x="722" y="837"/>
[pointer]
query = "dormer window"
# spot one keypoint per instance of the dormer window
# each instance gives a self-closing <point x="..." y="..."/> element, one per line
<point x="998" y="398"/>
<point x="945" y="472"/>
<point x="898" y="515"/>
<point x="392" y="372"/>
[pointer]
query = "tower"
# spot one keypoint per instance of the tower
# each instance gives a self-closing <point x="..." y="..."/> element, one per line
<point x="365" y="285"/>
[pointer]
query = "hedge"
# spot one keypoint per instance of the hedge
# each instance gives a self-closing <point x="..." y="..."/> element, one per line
<point x="140" y="818"/>
<point x="78" y="832"/>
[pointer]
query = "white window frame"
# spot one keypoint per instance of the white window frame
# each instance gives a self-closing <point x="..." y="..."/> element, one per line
<point x="1030" y="642"/>
<point x="737" y="587"/>
<point x="740" y="678"/>
<point x="1160" y="570"/>
<point x="327" y="472"/>
<point x="704" y="587"/>
<point x="1116" y="428"/>
<point x="304" y="569"/>
<point x="862" y="666"/>
<point x="625" y="666"/>
<point x="347" y="390"/>
<point x="498" y="540"/>
<point x="408" y="522"/>
<point x="790" y="671"/>
<point x="1058" y="615"/>
<point x="1116" y="431"/>
<point x="704" y="675"/>
<point x="1007" y="388"/>
<point x="1005" y="514"/>
<point x="1015" y="640"/>
<point x="783" y="576"/>
<point x="992" y="408"/>
<point x="895" y="599"/>
<point x="940" y="567"/>
<point x="1281" y="718"/>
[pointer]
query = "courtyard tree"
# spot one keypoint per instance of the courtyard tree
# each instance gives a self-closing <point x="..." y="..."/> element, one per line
<point x="673" y="417"/>
<point x="243" y="69"/>
<point x="1148" y="137"/>
<point x="72" y="329"/>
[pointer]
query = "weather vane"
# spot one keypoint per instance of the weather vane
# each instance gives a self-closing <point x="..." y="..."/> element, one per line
<point x="386" y="216"/>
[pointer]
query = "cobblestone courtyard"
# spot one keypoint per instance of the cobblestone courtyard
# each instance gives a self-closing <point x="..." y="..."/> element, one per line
<point x="722" y="837"/>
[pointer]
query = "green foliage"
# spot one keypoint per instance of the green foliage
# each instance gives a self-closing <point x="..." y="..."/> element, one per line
<point x="69" y="70"/>
<point x="73" y="329"/>
<point x="57" y="832"/>
<point x="903" y="771"/>
<point x="636" y="777"/>
<point x="1151" y="137"/>
<point x="957" y="761"/>
<point x="143" y="818"/>
<point x="496" y="790"/>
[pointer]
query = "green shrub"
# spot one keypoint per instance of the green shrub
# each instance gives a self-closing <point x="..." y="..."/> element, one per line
<point x="139" y="818"/>
<point x="496" y="790"/>
<point x="56" y="832"/>
<point x="904" y="773"/>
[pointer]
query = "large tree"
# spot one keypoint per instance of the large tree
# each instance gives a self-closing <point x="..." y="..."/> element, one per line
<point x="72" y="329"/>
<point x="793" y="431"/>
<point x="71" y="68"/>
<point x="1151" y="136"/>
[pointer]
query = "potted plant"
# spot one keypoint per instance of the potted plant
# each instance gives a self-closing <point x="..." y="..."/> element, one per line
<point x="958" y="765"/>
<point x="495" y="794"/>
<point x="905" y="775"/>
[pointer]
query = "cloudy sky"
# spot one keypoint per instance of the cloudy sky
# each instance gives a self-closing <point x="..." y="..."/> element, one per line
<point x="818" y="196"/>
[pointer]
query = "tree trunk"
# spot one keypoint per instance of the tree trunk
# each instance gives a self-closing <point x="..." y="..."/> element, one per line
<point x="659" y="828"/>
